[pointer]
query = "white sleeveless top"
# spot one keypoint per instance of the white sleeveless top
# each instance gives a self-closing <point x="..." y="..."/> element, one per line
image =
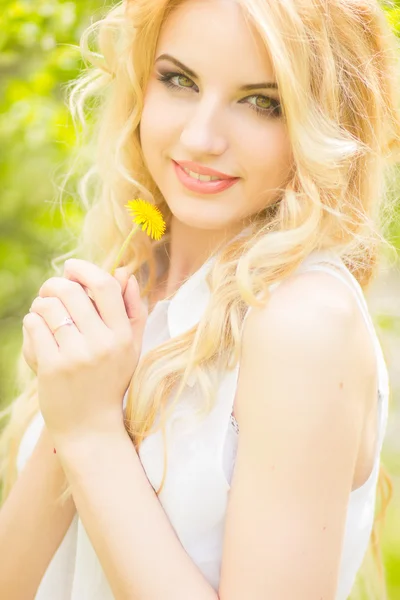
<point x="201" y="458"/>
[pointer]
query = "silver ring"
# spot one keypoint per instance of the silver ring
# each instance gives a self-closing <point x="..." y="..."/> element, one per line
<point x="65" y="321"/>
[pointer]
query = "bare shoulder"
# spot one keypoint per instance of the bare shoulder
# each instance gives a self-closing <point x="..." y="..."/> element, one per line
<point x="312" y="321"/>
<point x="315" y="294"/>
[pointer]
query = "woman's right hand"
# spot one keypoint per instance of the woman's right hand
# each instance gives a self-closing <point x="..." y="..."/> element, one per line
<point x="121" y="274"/>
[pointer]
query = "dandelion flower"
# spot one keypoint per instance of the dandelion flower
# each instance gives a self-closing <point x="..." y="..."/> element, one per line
<point x="146" y="216"/>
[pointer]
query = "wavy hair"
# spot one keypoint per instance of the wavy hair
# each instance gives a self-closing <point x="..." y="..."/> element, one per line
<point x="336" y="64"/>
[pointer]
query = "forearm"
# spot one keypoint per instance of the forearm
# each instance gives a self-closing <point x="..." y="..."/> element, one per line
<point x="140" y="553"/>
<point x="32" y="523"/>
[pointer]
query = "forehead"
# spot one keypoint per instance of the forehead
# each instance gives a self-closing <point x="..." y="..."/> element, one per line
<point x="214" y="35"/>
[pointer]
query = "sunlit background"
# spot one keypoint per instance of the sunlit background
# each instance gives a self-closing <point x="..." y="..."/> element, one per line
<point x="38" y="56"/>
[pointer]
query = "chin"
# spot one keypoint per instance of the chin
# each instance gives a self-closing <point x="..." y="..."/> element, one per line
<point x="203" y="217"/>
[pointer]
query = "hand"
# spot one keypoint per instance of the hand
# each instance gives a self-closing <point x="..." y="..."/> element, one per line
<point x="122" y="275"/>
<point x="84" y="369"/>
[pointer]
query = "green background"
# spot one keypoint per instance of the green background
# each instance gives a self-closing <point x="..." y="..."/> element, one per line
<point x="38" y="56"/>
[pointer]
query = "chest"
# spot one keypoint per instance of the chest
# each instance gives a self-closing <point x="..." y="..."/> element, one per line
<point x="199" y="453"/>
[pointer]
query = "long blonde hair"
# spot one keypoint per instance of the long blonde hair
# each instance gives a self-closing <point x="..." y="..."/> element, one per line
<point x="336" y="64"/>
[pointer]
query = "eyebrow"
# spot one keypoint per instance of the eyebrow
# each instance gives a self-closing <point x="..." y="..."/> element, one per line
<point x="247" y="87"/>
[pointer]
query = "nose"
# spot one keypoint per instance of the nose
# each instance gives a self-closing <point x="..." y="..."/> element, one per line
<point x="202" y="132"/>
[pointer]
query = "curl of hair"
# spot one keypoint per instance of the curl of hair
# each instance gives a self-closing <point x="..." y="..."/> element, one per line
<point x="336" y="64"/>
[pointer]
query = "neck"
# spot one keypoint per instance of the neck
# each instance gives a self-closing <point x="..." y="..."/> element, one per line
<point x="189" y="248"/>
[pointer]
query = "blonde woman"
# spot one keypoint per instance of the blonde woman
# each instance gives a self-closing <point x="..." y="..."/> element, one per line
<point x="217" y="419"/>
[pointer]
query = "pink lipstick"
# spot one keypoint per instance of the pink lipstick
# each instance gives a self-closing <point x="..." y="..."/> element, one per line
<point x="204" y="187"/>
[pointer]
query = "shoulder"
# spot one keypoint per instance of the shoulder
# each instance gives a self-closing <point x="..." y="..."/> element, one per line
<point x="313" y="310"/>
<point x="312" y="332"/>
<point x="314" y="295"/>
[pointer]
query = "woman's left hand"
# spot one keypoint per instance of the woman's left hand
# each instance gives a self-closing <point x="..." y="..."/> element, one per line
<point x="84" y="369"/>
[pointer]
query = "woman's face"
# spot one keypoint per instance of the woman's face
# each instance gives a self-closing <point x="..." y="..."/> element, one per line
<point x="201" y="113"/>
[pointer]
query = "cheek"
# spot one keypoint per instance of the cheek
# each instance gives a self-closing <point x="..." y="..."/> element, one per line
<point x="159" y="124"/>
<point x="271" y="156"/>
<point x="150" y="126"/>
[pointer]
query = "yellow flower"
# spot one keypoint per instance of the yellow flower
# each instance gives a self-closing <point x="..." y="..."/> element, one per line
<point x="148" y="217"/>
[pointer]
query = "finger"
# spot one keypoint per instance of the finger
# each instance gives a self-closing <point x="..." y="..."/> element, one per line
<point x="134" y="305"/>
<point x="28" y="351"/>
<point x="136" y="309"/>
<point x="122" y="275"/>
<point x="133" y="302"/>
<point x="53" y="312"/>
<point x="44" y="344"/>
<point x="76" y="304"/>
<point x="105" y="289"/>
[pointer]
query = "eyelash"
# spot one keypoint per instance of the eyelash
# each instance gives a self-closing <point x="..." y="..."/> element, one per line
<point x="275" y="111"/>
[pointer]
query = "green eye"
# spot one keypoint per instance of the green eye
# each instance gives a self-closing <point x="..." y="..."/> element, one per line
<point x="264" y="105"/>
<point x="185" y="79"/>
<point x="263" y="102"/>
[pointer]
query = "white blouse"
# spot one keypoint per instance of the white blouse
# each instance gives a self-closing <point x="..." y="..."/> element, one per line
<point x="201" y="459"/>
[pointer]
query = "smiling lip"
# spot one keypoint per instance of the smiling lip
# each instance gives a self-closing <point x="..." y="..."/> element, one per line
<point x="203" y="187"/>
<point x="196" y="168"/>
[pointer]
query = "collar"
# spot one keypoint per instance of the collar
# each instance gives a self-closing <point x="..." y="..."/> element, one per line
<point x="185" y="309"/>
<point x="189" y="303"/>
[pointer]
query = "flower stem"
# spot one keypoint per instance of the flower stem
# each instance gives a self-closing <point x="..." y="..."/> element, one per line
<point x="123" y="248"/>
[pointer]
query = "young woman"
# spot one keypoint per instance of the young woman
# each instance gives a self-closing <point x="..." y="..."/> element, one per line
<point x="182" y="475"/>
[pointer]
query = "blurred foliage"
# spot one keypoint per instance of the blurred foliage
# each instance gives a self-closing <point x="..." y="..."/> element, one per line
<point x="39" y="54"/>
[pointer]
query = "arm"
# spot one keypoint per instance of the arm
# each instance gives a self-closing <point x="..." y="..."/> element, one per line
<point x="32" y="526"/>
<point x="137" y="547"/>
<point x="305" y="371"/>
